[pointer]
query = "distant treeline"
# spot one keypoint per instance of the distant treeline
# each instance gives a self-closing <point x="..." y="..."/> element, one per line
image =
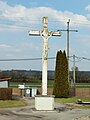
<point x="32" y="75"/>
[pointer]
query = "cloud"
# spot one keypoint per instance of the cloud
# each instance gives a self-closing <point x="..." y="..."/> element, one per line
<point x="11" y="27"/>
<point x="11" y="12"/>
<point x="8" y="48"/>
<point x="30" y="46"/>
<point x="86" y="40"/>
<point x="21" y="49"/>
<point x="4" y="50"/>
<point x="8" y="51"/>
<point x="88" y="8"/>
<point x="4" y="46"/>
<point x="19" y="15"/>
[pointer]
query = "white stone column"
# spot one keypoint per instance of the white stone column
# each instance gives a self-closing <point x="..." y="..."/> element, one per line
<point x="44" y="66"/>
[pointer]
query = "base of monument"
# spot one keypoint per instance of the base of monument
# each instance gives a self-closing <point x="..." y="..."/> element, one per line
<point x="44" y="102"/>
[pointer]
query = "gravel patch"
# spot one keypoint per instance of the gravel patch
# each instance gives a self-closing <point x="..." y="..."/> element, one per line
<point x="83" y="118"/>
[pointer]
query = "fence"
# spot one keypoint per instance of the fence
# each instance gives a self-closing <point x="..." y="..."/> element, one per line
<point x="78" y="92"/>
<point x="5" y="93"/>
<point x="82" y="92"/>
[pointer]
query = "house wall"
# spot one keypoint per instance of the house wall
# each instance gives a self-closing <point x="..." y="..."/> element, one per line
<point x="3" y="84"/>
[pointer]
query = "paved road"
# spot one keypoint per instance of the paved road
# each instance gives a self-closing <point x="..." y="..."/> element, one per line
<point x="62" y="112"/>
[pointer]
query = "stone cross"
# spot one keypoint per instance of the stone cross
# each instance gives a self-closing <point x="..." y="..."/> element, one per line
<point x="45" y="34"/>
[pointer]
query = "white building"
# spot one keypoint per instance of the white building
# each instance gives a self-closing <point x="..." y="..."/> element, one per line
<point x="4" y="82"/>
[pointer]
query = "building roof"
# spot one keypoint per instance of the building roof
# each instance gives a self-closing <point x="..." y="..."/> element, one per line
<point x="5" y="79"/>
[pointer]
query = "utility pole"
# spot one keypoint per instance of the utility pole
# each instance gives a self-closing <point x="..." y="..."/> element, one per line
<point x="74" y="69"/>
<point x="68" y="45"/>
<point x="68" y="41"/>
<point x="45" y="34"/>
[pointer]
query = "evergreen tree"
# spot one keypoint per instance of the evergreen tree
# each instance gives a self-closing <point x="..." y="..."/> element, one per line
<point x="57" y="74"/>
<point x="61" y="85"/>
<point x="65" y="82"/>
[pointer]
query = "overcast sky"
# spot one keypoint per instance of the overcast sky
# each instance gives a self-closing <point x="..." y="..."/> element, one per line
<point x="19" y="16"/>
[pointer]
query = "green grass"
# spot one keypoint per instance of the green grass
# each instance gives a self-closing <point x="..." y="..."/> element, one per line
<point x="20" y="103"/>
<point x="33" y="84"/>
<point x="82" y="85"/>
<point x="11" y="103"/>
<point x="73" y="100"/>
<point x="38" y="83"/>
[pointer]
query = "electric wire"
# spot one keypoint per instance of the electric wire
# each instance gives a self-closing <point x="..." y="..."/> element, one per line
<point x="28" y="59"/>
<point x="24" y="59"/>
<point x="78" y="59"/>
<point x="75" y="60"/>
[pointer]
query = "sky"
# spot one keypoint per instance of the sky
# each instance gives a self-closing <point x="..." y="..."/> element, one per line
<point x="17" y="17"/>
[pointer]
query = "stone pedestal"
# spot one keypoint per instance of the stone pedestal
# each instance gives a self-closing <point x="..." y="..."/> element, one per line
<point x="44" y="102"/>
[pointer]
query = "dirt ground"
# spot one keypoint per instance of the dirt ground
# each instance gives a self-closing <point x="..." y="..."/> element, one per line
<point x="61" y="112"/>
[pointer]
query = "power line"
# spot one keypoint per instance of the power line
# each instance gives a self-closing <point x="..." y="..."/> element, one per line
<point x="68" y="30"/>
<point x="79" y="58"/>
<point x="21" y="59"/>
<point x="86" y="58"/>
<point x="26" y="59"/>
<point x="76" y="60"/>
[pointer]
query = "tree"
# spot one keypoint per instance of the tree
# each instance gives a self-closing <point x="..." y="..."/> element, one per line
<point x="65" y="82"/>
<point x="57" y="74"/>
<point x="61" y="84"/>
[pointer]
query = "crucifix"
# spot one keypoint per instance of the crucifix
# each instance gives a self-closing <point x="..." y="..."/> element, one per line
<point x="45" y="34"/>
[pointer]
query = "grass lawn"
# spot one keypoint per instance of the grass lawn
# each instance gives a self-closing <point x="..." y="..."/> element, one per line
<point x="33" y="84"/>
<point x="50" y="84"/>
<point x="73" y="100"/>
<point x="82" y="85"/>
<point x="20" y="103"/>
<point x="11" y="103"/>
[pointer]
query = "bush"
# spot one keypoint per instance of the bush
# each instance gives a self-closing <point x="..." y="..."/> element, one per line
<point x="61" y="83"/>
<point x="5" y="93"/>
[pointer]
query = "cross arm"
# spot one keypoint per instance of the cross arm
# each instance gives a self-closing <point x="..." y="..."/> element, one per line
<point x="34" y="33"/>
<point x="56" y="33"/>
